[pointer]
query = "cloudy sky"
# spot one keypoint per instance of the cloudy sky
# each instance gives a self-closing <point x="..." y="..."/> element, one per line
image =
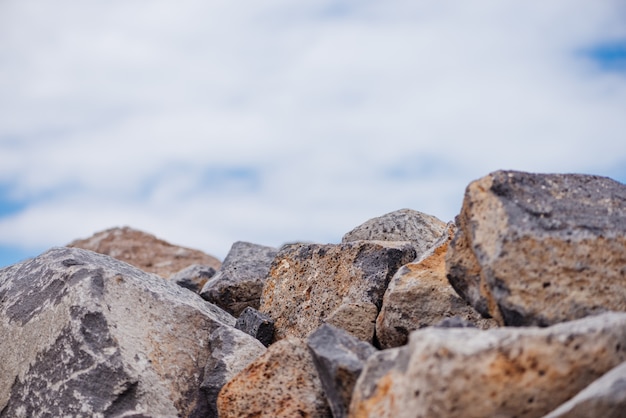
<point x="206" y="122"/>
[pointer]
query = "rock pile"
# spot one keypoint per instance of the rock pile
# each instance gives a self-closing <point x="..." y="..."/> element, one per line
<point x="516" y="309"/>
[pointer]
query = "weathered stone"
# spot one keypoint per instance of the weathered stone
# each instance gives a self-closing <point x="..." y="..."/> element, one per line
<point x="420" y="229"/>
<point x="231" y="352"/>
<point x="339" y="358"/>
<point x="419" y="295"/>
<point x="239" y="283"/>
<point x="282" y="382"/>
<point x="309" y="284"/>
<point x="506" y="372"/>
<point x="537" y="249"/>
<point x="86" y="335"/>
<point x="256" y="324"/>
<point x="606" y="398"/>
<point x="193" y="277"/>
<point x="144" y="251"/>
<point x="454" y="322"/>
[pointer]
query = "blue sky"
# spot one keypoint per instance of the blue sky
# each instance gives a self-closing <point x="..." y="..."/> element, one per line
<point x="208" y="122"/>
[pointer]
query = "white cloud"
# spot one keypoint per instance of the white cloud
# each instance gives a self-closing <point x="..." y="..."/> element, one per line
<point x="142" y="113"/>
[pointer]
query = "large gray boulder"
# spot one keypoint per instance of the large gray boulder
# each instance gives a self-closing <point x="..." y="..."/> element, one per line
<point x="85" y="335"/>
<point x="239" y="282"/>
<point x="537" y="249"/>
<point x="312" y="284"/>
<point x="502" y="372"/>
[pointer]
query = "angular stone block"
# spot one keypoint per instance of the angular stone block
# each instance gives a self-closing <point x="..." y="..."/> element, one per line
<point x="193" y="277"/>
<point x="257" y="325"/>
<point x="84" y="335"/>
<point x="538" y="249"/>
<point x="239" y="283"/>
<point x="310" y="284"/>
<point x="502" y="372"/>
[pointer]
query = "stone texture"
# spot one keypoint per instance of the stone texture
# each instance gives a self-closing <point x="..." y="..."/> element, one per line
<point x="230" y="352"/>
<point x="537" y="249"/>
<point x="419" y="295"/>
<point x="420" y="229"/>
<point x="503" y="372"/>
<point x="193" y="277"/>
<point x="144" y="251"/>
<point x="282" y="382"/>
<point x="606" y="398"/>
<point x="257" y="325"/>
<point x="85" y="335"/>
<point x="239" y="283"/>
<point x="310" y="284"/>
<point x="339" y="358"/>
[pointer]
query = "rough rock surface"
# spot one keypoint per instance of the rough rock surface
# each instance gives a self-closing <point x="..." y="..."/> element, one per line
<point x="420" y="229"/>
<point x="86" y="335"/>
<point x="465" y="372"/>
<point x="144" y="251"/>
<point x="257" y="325"/>
<point x="239" y="283"/>
<point x="420" y="295"/>
<point x="606" y="398"/>
<point x="537" y="249"/>
<point x="230" y="353"/>
<point x="339" y="358"/>
<point x="193" y="277"/>
<point x="310" y="284"/>
<point x="280" y="383"/>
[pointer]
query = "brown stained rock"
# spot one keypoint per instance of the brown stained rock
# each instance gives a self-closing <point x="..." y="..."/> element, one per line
<point x="310" y="284"/>
<point x="419" y="295"/>
<point x="144" y="251"/>
<point x="420" y="229"/>
<point x="503" y="372"/>
<point x="282" y="382"/>
<point x="537" y="249"/>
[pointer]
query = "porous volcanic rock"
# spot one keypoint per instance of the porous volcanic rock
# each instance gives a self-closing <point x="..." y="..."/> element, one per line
<point x="86" y="335"/>
<point x="239" y="282"/>
<point x="419" y="295"/>
<point x="256" y="324"/>
<point x="537" y="249"/>
<point x="466" y="372"/>
<point x="420" y="229"/>
<point x="281" y="383"/>
<point x="341" y="284"/>
<point x="144" y="251"/>
<point x="193" y="277"/>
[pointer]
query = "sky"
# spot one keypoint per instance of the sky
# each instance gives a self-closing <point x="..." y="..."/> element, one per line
<point x="207" y="122"/>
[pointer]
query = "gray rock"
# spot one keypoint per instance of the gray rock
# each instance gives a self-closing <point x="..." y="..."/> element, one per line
<point x="193" y="277"/>
<point x="311" y="284"/>
<point x="339" y="358"/>
<point x="86" y="335"/>
<point x="606" y="398"/>
<point x="454" y="322"/>
<point x="420" y="229"/>
<point x="231" y="352"/>
<point x="502" y="372"/>
<point x="419" y="295"/>
<point x="282" y="382"/>
<point x="239" y="282"/>
<point x="538" y="249"/>
<point x="256" y="324"/>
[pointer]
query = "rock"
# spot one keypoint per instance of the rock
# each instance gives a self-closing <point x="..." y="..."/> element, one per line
<point x="239" y="283"/>
<point x="86" y="335"/>
<point x="420" y="229"/>
<point x="538" y="249"/>
<point x="606" y="398"/>
<point x="257" y="325"/>
<point x="339" y="358"/>
<point x="282" y="382"/>
<point x="419" y="295"/>
<point x="193" y="277"/>
<point x="230" y="353"/>
<point x="144" y="251"/>
<point x="310" y="284"/>
<point x="465" y="372"/>
<point x="454" y="322"/>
